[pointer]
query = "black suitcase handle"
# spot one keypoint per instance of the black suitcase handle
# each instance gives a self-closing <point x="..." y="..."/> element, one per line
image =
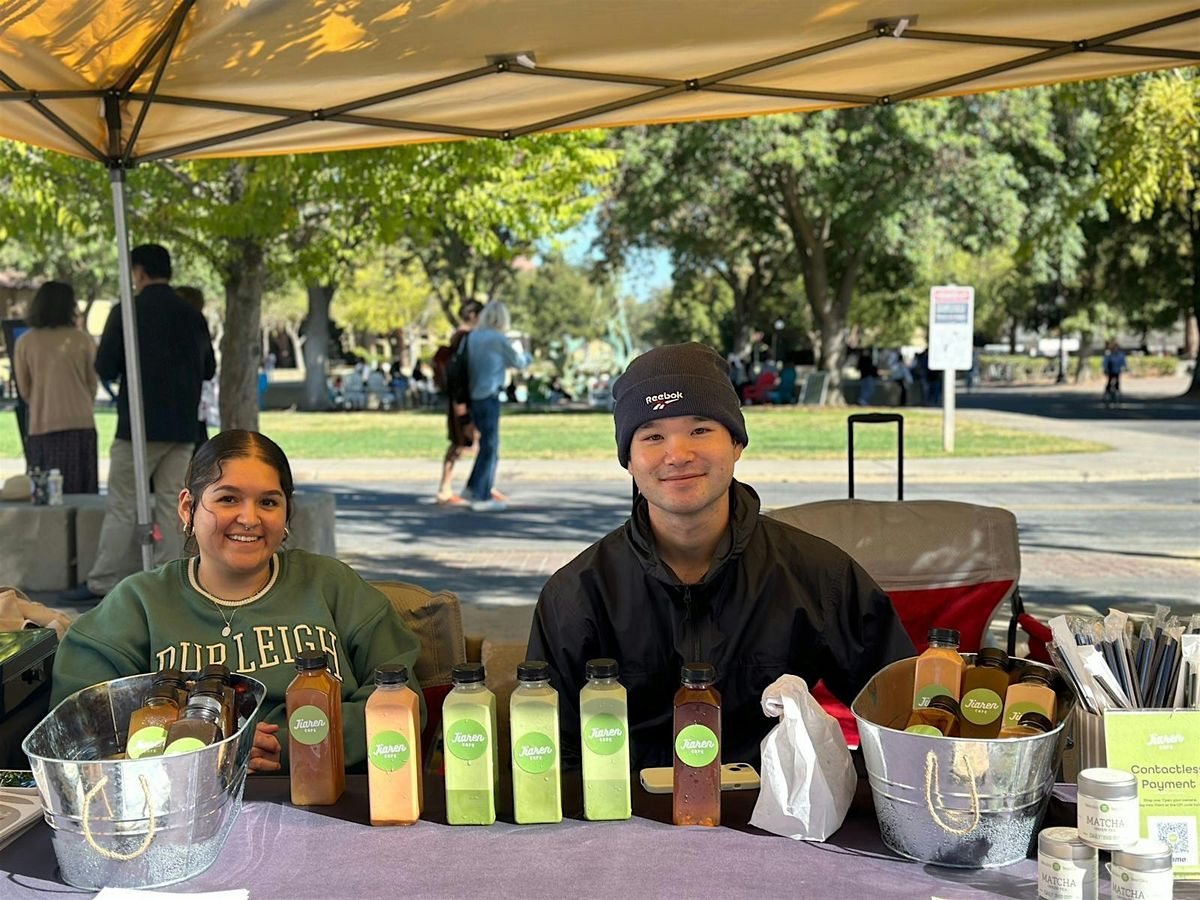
<point x="879" y="419"/>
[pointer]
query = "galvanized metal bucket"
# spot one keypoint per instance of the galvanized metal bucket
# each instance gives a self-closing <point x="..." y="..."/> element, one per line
<point x="967" y="803"/>
<point x="135" y="823"/>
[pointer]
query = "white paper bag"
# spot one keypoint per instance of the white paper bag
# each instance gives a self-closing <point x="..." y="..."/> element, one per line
<point x="808" y="777"/>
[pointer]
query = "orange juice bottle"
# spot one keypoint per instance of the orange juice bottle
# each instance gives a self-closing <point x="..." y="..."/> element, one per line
<point x="1031" y="693"/>
<point x="315" y="753"/>
<point x="393" y="713"/>
<point x="939" y="669"/>
<point x="149" y="723"/>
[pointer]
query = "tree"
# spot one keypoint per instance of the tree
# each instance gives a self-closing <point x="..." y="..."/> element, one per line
<point x="555" y="300"/>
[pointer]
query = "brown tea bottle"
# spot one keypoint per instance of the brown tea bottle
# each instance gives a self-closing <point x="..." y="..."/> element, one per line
<point x="221" y="674"/>
<point x="940" y="717"/>
<point x="696" y="798"/>
<point x="939" y="669"/>
<point x="149" y="723"/>
<point x="198" y="727"/>
<point x="983" y="688"/>
<point x="315" y="752"/>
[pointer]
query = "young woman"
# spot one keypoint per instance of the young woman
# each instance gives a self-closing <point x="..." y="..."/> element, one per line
<point x="55" y="367"/>
<point x="242" y="600"/>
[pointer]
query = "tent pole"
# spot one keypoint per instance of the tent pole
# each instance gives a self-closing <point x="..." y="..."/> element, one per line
<point x="132" y="386"/>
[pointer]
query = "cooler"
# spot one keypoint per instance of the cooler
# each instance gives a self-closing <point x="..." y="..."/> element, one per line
<point x="26" y="658"/>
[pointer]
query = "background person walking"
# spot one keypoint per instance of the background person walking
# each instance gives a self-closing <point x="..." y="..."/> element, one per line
<point x="1114" y="365"/>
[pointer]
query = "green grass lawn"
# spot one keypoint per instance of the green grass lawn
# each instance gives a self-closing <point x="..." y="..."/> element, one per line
<point x="775" y="433"/>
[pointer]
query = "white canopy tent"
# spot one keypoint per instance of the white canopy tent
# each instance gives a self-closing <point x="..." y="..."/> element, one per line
<point x="126" y="82"/>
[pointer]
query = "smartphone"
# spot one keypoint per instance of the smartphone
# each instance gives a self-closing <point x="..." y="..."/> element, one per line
<point x="734" y="777"/>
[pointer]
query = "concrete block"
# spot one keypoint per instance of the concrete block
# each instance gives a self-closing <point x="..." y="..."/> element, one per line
<point x="37" y="546"/>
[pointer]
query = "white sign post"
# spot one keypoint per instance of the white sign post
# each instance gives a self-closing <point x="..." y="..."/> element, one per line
<point x="951" y="329"/>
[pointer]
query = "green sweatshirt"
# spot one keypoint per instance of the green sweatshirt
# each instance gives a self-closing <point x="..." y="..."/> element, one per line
<point x="157" y="619"/>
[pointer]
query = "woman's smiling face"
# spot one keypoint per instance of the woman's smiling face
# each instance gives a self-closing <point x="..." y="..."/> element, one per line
<point x="240" y="518"/>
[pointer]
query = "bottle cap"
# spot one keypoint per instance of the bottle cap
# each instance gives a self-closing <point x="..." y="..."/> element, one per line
<point x="311" y="659"/>
<point x="944" y="636"/>
<point x="1144" y="855"/>
<point x="1036" y="720"/>
<point x="213" y="687"/>
<point x="168" y="675"/>
<point x="1065" y="843"/>
<point x="602" y="668"/>
<point x="533" y="670"/>
<point x="945" y="702"/>
<point x="395" y="674"/>
<point x="216" y="670"/>
<point x="467" y="673"/>
<point x="1107" y="784"/>
<point x="698" y="673"/>
<point x="991" y="656"/>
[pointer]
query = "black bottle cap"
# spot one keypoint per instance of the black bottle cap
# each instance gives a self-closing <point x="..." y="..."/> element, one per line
<point x="944" y="702"/>
<point x="396" y="674"/>
<point x="602" y="668"/>
<point x="169" y="675"/>
<point x="217" y="671"/>
<point x="944" y="636"/>
<point x="467" y="673"/>
<point x="698" y="673"/>
<point x="1037" y="675"/>
<point x="311" y="659"/>
<point x="211" y="686"/>
<point x="533" y="670"/>
<point x="1036" y="720"/>
<point x="991" y="656"/>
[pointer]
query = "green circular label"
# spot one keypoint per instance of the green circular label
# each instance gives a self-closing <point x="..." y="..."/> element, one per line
<point x="927" y="693"/>
<point x="981" y="706"/>
<point x="1012" y="715"/>
<point x="308" y="725"/>
<point x="924" y="729"/>
<point x="1124" y="876"/>
<point x="184" y="745"/>
<point x="1057" y="867"/>
<point x="604" y="734"/>
<point x="467" y="739"/>
<point x="1104" y="807"/>
<point x="389" y="751"/>
<point x="534" y="752"/>
<point x="146" y="740"/>
<point x="697" y="746"/>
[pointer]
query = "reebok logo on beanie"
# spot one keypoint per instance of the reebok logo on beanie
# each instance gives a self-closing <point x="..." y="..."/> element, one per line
<point x="662" y="401"/>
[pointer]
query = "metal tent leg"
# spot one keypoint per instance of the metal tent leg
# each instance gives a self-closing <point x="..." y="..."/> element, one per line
<point x="132" y="386"/>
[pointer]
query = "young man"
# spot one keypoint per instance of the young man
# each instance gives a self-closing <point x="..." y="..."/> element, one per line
<point x="697" y="574"/>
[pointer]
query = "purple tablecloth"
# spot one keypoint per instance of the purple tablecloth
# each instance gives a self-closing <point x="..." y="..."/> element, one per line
<point x="277" y="850"/>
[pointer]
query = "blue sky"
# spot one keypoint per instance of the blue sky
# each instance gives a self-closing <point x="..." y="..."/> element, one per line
<point x="645" y="270"/>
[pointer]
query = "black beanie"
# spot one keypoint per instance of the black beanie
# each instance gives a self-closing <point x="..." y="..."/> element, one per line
<point x="676" y="380"/>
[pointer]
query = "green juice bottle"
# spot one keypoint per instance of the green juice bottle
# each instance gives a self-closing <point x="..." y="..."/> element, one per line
<point x="469" y="737"/>
<point x="533" y="713"/>
<point x="604" y="743"/>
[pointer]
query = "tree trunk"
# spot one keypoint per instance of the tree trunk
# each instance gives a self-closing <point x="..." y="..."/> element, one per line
<point x="296" y="339"/>
<point x="240" y="349"/>
<point x="1085" y="350"/>
<point x="1193" y="390"/>
<point x="316" y="348"/>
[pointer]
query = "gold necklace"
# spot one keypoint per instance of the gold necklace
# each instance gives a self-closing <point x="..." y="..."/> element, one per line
<point x="193" y="571"/>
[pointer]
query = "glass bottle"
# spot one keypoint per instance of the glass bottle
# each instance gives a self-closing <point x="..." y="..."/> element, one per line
<point x="393" y="719"/>
<point x="149" y="723"/>
<point x="533" y="714"/>
<point x="198" y="727"/>
<point x="469" y="738"/>
<point x="222" y="675"/>
<point x="1031" y="693"/>
<point x="1029" y="723"/>
<point x="940" y="717"/>
<point x="316" y="756"/>
<point x="983" y="688"/>
<point x="174" y="678"/>
<point x="604" y="743"/>
<point x="939" y="669"/>
<point x="696" y="798"/>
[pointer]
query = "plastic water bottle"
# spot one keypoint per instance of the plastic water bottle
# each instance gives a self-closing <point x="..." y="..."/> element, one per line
<point x="54" y="488"/>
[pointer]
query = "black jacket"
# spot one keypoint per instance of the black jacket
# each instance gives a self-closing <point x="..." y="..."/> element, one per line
<point x="176" y="357"/>
<point x="778" y="600"/>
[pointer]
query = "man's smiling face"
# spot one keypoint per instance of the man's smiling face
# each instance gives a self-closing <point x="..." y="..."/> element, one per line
<point x="683" y="464"/>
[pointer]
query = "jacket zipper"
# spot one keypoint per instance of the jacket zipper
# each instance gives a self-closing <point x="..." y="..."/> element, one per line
<point x="690" y="619"/>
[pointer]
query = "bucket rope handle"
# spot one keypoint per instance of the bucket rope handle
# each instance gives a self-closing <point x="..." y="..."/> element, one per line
<point x="87" y="827"/>
<point x="932" y="790"/>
